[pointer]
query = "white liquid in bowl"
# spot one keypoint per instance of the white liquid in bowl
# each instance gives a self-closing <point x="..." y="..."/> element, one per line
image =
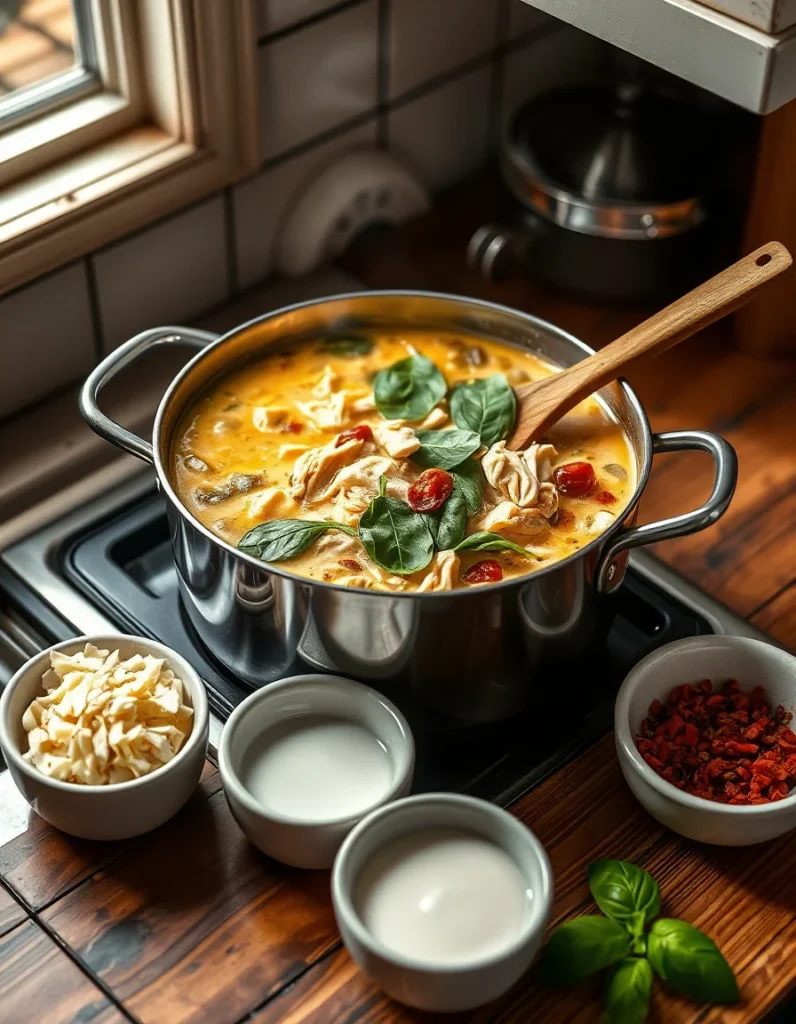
<point x="443" y="896"/>
<point x="317" y="769"/>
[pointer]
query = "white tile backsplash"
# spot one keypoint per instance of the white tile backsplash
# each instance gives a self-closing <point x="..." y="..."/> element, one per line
<point x="564" y="56"/>
<point x="47" y="337"/>
<point x="275" y="15"/>
<point x="166" y="274"/>
<point x="443" y="135"/>
<point x="430" y="37"/>
<point x="260" y="203"/>
<point x="317" y="78"/>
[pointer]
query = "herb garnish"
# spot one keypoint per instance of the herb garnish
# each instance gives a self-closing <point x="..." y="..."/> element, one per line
<point x="487" y="406"/>
<point x="445" y="449"/>
<point x="684" y="957"/>
<point x="485" y="541"/>
<point x="409" y="389"/>
<point x="395" y="537"/>
<point x="469" y="477"/>
<point x="448" y="524"/>
<point x="280" y="539"/>
<point x="348" y="345"/>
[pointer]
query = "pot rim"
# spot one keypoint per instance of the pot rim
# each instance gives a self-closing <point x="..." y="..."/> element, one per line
<point x="645" y="455"/>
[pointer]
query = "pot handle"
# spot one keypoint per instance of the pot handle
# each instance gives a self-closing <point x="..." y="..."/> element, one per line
<point x="118" y="360"/>
<point x="726" y="466"/>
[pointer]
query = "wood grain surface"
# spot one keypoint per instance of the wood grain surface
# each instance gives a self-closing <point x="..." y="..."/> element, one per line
<point x="11" y="913"/>
<point x="40" y="984"/>
<point x="192" y="924"/>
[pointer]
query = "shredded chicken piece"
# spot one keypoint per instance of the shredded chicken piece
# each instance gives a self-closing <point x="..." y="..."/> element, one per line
<point x="292" y="450"/>
<point x="365" y="404"/>
<point x="444" y="572"/>
<point x="266" y="417"/>
<point x="510" y="518"/>
<point x="272" y="503"/>
<point x="336" y="544"/>
<point x="315" y="469"/>
<point x="438" y="417"/>
<point x="398" y="441"/>
<point x="326" y="413"/>
<point x="520" y="476"/>
<point x="327" y="385"/>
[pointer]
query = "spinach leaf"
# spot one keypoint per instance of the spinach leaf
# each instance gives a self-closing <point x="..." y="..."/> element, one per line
<point x="581" y="947"/>
<point x="625" y="892"/>
<point x="280" y="539"/>
<point x="469" y="477"/>
<point x="447" y="525"/>
<point x="346" y="345"/>
<point x="395" y="537"/>
<point x="627" y="997"/>
<point x="487" y="406"/>
<point x="409" y="389"/>
<point x="445" y="449"/>
<point x="484" y="541"/>
<point x="690" y="962"/>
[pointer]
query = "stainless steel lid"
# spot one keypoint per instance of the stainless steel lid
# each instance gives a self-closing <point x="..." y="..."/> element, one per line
<point x="617" y="162"/>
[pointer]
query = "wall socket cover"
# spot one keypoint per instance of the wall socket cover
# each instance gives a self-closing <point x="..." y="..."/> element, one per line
<point x="358" y="189"/>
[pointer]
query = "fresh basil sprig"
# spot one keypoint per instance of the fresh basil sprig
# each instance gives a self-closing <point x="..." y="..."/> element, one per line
<point x="626" y="893"/>
<point x="348" y="345"/>
<point x="409" y="389"/>
<point x="448" y="524"/>
<point x="582" y="947"/>
<point x="277" y="540"/>
<point x="395" y="537"/>
<point x="470" y="478"/>
<point x="445" y="449"/>
<point x="680" y="954"/>
<point x="627" y="996"/>
<point x="690" y="962"/>
<point x="487" y="406"/>
<point x="485" y="541"/>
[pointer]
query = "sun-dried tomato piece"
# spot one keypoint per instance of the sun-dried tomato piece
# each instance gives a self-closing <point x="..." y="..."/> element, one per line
<point x="564" y="520"/>
<point x="351" y="564"/>
<point x="362" y="432"/>
<point x="488" y="571"/>
<point x="430" y="491"/>
<point x="575" y="479"/>
<point x="605" y="498"/>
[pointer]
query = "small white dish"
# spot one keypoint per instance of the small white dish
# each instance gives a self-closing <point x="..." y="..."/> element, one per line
<point x="122" y="810"/>
<point x="429" y="986"/>
<point x="309" y="842"/>
<point x="717" y="658"/>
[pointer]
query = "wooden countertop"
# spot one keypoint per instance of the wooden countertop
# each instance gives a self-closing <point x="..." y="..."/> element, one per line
<point x="192" y="924"/>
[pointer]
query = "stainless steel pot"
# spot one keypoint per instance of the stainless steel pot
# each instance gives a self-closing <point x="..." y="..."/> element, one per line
<point x="477" y="655"/>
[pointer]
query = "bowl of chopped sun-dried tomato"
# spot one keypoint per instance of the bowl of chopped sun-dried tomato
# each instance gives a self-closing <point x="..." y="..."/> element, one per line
<point x="706" y="740"/>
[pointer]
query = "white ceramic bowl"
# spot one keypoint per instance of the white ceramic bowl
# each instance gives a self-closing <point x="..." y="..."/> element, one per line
<point x="293" y="840"/>
<point x="432" y="987"/>
<point x="104" y="812"/>
<point x="717" y="658"/>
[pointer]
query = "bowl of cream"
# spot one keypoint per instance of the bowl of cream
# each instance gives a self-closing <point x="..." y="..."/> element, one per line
<point x="303" y="760"/>
<point x="442" y="900"/>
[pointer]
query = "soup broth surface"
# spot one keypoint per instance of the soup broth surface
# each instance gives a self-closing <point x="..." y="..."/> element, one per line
<point x="277" y="440"/>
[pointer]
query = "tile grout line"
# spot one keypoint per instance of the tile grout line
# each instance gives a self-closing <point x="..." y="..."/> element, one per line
<point x="308" y="22"/>
<point x="96" y="981"/>
<point x="94" y="307"/>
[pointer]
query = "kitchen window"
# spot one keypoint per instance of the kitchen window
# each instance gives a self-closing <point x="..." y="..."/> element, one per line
<point x="113" y="113"/>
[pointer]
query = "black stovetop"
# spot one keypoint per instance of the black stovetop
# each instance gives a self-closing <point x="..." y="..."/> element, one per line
<point x="123" y="563"/>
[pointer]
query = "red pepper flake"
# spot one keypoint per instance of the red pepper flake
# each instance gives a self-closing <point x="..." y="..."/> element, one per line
<point x="727" y="746"/>
<point x="358" y="433"/>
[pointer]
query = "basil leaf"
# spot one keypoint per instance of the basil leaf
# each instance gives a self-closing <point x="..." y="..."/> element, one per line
<point x="627" y="996"/>
<point x="445" y="449"/>
<point x="625" y="892"/>
<point x="578" y="948"/>
<point x="395" y="537"/>
<point x="487" y="406"/>
<point x="346" y="345"/>
<point x="409" y="389"/>
<point x="690" y="962"/>
<point x="484" y="541"/>
<point x="448" y="524"/>
<point x="469" y="477"/>
<point x="280" y="539"/>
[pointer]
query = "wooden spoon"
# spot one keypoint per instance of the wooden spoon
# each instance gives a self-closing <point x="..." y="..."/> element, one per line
<point x="541" y="404"/>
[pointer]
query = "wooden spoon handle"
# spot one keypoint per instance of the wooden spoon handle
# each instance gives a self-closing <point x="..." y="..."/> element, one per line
<point x="708" y="302"/>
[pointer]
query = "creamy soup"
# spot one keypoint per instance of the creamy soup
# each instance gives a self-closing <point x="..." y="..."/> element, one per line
<point x="381" y="462"/>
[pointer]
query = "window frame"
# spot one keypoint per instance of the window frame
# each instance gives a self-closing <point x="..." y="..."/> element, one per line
<point x="175" y="119"/>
